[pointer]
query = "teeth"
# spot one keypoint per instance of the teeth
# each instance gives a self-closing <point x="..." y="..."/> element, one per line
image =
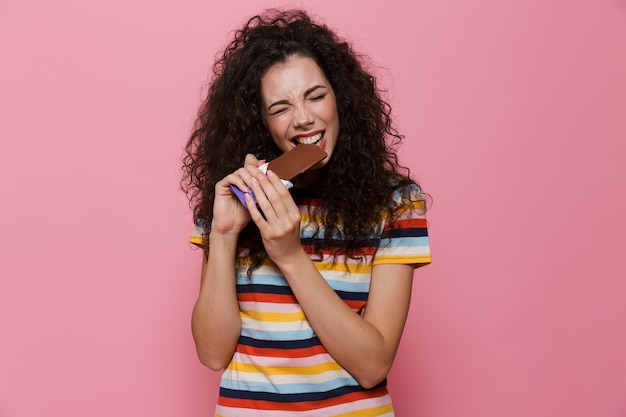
<point x="310" y="139"/>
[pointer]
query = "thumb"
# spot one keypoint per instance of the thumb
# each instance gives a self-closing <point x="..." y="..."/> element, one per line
<point x="252" y="160"/>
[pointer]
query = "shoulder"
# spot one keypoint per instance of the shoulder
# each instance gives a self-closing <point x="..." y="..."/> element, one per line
<point x="407" y="194"/>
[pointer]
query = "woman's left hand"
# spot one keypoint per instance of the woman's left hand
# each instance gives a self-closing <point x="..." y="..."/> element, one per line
<point x="278" y="219"/>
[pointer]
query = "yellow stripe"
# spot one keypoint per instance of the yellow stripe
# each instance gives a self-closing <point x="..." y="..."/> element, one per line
<point x="196" y="240"/>
<point x="411" y="206"/>
<point x="342" y="267"/>
<point x="417" y="205"/>
<point x="353" y="268"/>
<point x="273" y="317"/>
<point x="320" y="368"/>
<point x="370" y="412"/>
<point x="422" y="259"/>
<point x="307" y="218"/>
<point x="246" y="260"/>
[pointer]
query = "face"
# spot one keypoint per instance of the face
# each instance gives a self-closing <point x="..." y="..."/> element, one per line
<point x="299" y="105"/>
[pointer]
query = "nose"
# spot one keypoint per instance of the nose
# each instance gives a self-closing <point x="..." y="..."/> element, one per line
<point x="302" y="117"/>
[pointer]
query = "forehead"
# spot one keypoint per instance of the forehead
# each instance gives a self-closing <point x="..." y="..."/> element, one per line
<point x="291" y="78"/>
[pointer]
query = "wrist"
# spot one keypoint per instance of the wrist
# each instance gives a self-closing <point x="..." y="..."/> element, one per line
<point x="223" y="239"/>
<point x="293" y="263"/>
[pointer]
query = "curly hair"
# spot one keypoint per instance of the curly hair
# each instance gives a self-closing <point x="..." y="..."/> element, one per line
<point x="355" y="186"/>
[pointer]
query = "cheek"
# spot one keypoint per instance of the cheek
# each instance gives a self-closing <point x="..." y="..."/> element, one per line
<point x="278" y="125"/>
<point x="274" y="128"/>
<point x="278" y="132"/>
<point x="331" y="114"/>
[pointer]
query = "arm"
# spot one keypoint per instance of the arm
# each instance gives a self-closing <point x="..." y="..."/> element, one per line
<point x="215" y="321"/>
<point x="365" y="346"/>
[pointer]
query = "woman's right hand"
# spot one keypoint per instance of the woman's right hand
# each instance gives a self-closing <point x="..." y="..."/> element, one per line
<point x="229" y="215"/>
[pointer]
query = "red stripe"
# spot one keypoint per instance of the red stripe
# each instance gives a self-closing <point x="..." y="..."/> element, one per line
<point x="364" y="251"/>
<point x="356" y="304"/>
<point x="409" y="224"/>
<point x="303" y="405"/>
<point x="267" y="298"/>
<point x="281" y="353"/>
<point x="260" y="297"/>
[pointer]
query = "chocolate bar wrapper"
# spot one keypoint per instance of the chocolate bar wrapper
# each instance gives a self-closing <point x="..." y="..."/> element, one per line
<point x="241" y="194"/>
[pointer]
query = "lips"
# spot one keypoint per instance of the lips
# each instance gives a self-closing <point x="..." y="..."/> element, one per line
<point x="314" y="138"/>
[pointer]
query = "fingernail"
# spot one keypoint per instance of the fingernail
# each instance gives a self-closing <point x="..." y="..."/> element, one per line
<point x="270" y="174"/>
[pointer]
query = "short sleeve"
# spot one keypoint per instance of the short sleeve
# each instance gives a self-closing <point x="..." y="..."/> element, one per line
<point x="404" y="239"/>
<point x="198" y="234"/>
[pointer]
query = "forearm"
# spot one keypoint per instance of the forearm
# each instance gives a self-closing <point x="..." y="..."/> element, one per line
<point x="364" y="350"/>
<point x="216" y="323"/>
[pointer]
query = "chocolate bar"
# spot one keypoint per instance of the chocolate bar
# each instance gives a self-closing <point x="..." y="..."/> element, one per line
<point x="288" y="165"/>
<point x="296" y="161"/>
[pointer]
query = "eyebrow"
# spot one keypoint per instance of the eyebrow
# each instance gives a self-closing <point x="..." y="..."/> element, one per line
<point x="306" y="93"/>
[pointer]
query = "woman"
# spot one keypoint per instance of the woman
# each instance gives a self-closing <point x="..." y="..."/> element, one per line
<point x="305" y="294"/>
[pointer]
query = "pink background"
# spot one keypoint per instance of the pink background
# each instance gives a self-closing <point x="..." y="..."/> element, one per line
<point x="515" y="121"/>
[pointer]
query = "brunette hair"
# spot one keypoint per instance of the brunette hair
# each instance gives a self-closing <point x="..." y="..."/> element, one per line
<point x="355" y="185"/>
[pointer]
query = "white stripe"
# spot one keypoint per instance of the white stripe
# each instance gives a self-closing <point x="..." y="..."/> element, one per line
<point x="396" y="246"/>
<point x="269" y="361"/>
<point x="275" y="326"/>
<point x="355" y="277"/>
<point x="270" y="307"/>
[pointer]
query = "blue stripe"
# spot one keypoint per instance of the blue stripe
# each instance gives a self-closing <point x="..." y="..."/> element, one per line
<point x="280" y="344"/>
<point x="263" y="289"/>
<point x="308" y="234"/>
<point x="290" y="398"/>
<point x="407" y="188"/>
<point x="349" y="286"/>
<point x="353" y="296"/>
<point x="287" y="388"/>
<point x="268" y="284"/>
<point x="262" y="279"/>
<point x="277" y="335"/>
<point x="415" y="232"/>
<point x="411" y="242"/>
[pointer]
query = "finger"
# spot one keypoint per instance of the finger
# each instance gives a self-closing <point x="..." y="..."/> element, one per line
<point x="277" y="191"/>
<point x="260" y="187"/>
<point x="252" y="160"/>
<point x="237" y="179"/>
<point x="240" y="179"/>
<point x="255" y="214"/>
<point x="281" y="189"/>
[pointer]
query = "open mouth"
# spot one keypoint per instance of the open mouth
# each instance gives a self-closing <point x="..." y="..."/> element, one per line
<point x="309" y="140"/>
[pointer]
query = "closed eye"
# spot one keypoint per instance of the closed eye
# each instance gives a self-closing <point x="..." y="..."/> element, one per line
<point x="278" y="111"/>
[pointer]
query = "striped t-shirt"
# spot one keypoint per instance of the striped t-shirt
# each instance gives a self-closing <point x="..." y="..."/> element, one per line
<point x="280" y="368"/>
